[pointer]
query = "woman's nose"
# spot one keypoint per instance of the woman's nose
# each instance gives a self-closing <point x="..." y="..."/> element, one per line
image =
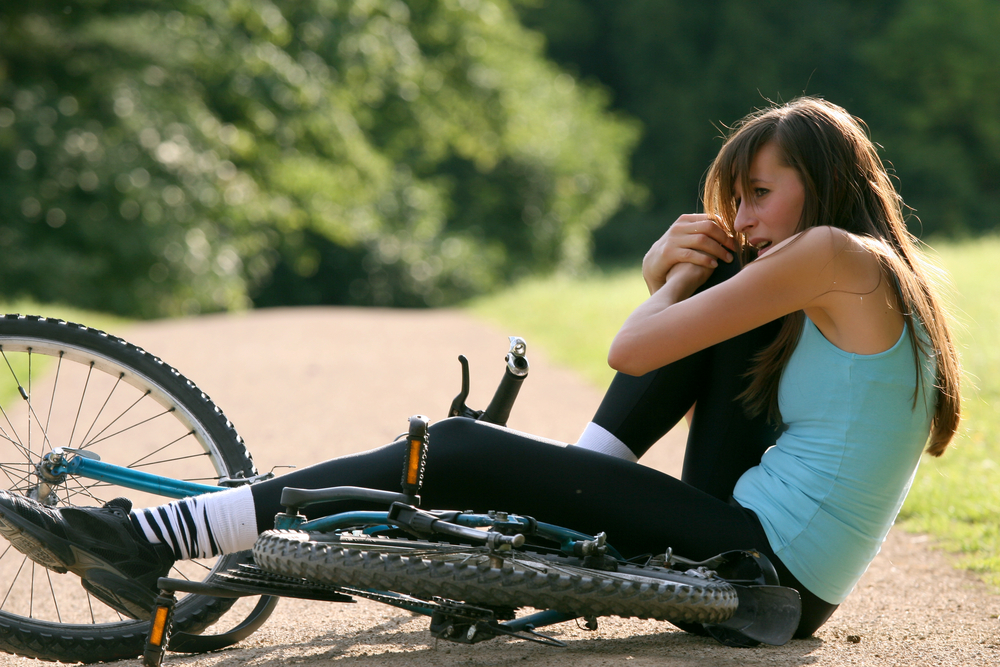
<point x="744" y="217"/>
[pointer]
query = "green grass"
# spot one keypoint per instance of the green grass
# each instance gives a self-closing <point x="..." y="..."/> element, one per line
<point x="955" y="498"/>
<point x="572" y="319"/>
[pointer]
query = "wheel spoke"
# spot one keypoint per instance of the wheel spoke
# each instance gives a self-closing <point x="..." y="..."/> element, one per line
<point x="128" y="428"/>
<point x="176" y="458"/>
<point x="45" y="434"/>
<point x="13" y="581"/>
<point x="79" y="409"/>
<point x="31" y="593"/>
<point x="55" y="385"/>
<point x="13" y="468"/>
<point x="83" y="489"/>
<point x="114" y="421"/>
<point x="90" y="607"/>
<point x="16" y="439"/>
<point x="107" y="399"/>
<point x="135" y="464"/>
<point x="28" y="399"/>
<point x="200" y="564"/>
<point x="55" y="600"/>
<point x="17" y="444"/>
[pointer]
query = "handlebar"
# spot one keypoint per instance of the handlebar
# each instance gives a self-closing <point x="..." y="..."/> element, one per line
<point x="499" y="408"/>
<point x="503" y="400"/>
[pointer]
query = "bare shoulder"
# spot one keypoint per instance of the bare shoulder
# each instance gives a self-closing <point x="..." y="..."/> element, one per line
<point x="852" y="253"/>
<point x="840" y="240"/>
<point x="818" y="241"/>
<point x="819" y="265"/>
<point x="827" y="247"/>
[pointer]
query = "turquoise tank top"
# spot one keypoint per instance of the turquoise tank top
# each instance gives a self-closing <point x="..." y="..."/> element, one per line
<point x="830" y="488"/>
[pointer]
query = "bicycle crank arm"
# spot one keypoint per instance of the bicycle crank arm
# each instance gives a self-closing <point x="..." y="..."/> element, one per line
<point x="462" y="631"/>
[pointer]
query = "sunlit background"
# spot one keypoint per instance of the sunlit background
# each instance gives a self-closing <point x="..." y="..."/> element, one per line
<point x="182" y="157"/>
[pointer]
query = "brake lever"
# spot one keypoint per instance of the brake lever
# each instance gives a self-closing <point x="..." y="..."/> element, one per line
<point x="458" y="406"/>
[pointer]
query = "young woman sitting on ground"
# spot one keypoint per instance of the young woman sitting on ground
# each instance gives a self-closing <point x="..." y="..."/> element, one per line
<point x="818" y="372"/>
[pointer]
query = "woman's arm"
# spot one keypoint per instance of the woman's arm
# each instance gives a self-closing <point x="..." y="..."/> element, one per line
<point x="672" y="324"/>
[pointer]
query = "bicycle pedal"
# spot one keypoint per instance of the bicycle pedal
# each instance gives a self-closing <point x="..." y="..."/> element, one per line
<point x="159" y="629"/>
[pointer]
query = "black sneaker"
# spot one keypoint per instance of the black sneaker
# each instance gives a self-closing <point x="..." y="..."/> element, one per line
<point x="115" y="563"/>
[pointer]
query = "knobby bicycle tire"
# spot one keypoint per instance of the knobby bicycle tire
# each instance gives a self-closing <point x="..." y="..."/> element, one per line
<point x="64" y="384"/>
<point x="466" y="573"/>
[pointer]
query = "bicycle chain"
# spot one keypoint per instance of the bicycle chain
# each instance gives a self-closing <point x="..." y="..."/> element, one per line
<point x="262" y="582"/>
<point x="459" y="610"/>
<point x="252" y="575"/>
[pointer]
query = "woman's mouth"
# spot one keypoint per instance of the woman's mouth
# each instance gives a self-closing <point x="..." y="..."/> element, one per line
<point x="761" y="247"/>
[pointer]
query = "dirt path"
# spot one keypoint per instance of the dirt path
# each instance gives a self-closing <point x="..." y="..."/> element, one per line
<point x="303" y="385"/>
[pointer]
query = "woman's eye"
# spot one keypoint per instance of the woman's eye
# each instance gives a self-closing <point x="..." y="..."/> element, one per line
<point x="760" y="192"/>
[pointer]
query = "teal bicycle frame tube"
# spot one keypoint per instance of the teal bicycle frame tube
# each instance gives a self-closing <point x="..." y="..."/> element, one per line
<point x="344" y="520"/>
<point x="133" y="479"/>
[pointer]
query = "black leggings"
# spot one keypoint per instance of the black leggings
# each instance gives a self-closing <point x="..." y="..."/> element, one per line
<point x="478" y="466"/>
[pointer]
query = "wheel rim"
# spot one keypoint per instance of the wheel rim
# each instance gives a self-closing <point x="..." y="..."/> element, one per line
<point x="58" y="395"/>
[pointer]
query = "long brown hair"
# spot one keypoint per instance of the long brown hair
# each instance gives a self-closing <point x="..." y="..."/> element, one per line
<point x="846" y="186"/>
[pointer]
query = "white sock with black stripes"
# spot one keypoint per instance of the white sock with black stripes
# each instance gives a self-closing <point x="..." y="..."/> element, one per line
<point x="202" y="526"/>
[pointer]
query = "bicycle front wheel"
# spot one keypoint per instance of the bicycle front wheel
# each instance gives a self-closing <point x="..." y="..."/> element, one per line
<point x="66" y="385"/>
<point x="518" y="579"/>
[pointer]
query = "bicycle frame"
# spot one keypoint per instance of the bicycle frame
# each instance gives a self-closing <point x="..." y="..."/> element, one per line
<point x="58" y="466"/>
<point x="62" y="463"/>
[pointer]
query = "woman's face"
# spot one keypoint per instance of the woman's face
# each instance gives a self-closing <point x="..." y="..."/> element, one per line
<point x="771" y="211"/>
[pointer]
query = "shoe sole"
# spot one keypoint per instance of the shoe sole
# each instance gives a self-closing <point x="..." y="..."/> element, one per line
<point x="102" y="579"/>
<point x="22" y="538"/>
<point x="119" y="594"/>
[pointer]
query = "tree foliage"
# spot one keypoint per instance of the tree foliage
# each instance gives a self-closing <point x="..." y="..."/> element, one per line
<point x="924" y="75"/>
<point x="166" y="157"/>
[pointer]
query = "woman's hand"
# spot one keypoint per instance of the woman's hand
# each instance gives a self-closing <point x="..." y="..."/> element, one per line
<point x="695" y="238"/>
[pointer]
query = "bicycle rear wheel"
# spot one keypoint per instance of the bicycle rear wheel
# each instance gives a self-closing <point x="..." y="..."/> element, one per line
<point x="473" y="575"/>
<point x="66" y="385"/>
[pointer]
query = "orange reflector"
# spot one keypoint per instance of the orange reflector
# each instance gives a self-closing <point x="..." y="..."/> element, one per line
<point x="159" y="624"/>
<point x="413" y="465"/>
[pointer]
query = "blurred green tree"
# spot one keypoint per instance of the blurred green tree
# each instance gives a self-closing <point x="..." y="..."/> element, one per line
<point x="166" y="157"/>
<point x="924" y="75"/>
<point x="933" y="98"/>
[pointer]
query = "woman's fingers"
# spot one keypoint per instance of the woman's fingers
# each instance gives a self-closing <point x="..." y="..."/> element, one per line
<point x="698" y="257"/>
<point x="703" y="235"/>
<point x="694" y="238"/>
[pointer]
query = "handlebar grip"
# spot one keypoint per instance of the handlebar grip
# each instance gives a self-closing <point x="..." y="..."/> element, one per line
<point x="498" y="411"/>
